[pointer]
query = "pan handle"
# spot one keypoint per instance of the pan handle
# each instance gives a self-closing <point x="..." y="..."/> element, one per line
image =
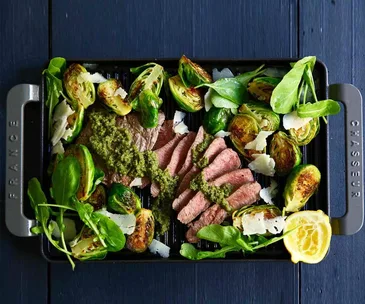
<point x="17" y="223"/>
<point x="351" y="98"/>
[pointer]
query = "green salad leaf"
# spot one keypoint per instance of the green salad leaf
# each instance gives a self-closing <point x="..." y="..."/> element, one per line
<point x="190" y="252"/>
<point x="319" y="109"/>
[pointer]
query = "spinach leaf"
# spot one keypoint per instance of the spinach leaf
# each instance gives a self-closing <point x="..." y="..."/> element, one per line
<point x="285" y="95"/>
<point x="224" y="235"/>
<point x="221" y="102"/>
<point x="190" y="252"/>
<point x="229" y="88"/>
<point x="319" y="109"/>
<point x="66" y="180"/>
<point x="245" y="78"/>
<point x="308" y="77"/>
<point x="269" y="80"/>
<point x="264" y="242"/>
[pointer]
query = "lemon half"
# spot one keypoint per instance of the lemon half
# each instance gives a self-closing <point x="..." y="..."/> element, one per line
<point x="308" y="243"/>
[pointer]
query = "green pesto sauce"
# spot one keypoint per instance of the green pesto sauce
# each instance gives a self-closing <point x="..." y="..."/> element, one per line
<point x="115" y="147"/>
<point x="216" y="194"/>
<point x="200" y="149"/>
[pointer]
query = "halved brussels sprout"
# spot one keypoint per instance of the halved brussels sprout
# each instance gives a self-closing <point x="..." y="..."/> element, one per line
<point x="304" y="135"/>
<point x="268" y="120"/>
<point x="142" y="236"/>
<point x="148" y="105"/>
<point x="122" y="199"/>
<point x="301" y="184"/>
<point x="285" y="152"/>
<point x="75" y="122"/>
<point x="151" y="78"/>
<point x="270" y="211"/>
<point x="106" y="92"/>
<point x="192" y="74"/>
<point x="83" y="155"/>
<point x="217" y="119"/>
<point x="98" y="198"/>
<point x="86" y="246"/>
<point x="261" y="88"/>
<point x="188" y="98"/>
<point x="78" y="89"/>
<point x="244" y="129"/>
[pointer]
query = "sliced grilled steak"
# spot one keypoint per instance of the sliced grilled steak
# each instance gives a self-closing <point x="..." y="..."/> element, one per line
<point x="216" y="147"/>
<point x="226" y="161"/>
<point x="200" y="203"/>
<point x="143" y="138"/>
<point x="165" y="135"/>
<point x="189" y="157"/>
<point x="247" y="194"/>
<point x="183" y="199"/>
<point x="177" y="159"/>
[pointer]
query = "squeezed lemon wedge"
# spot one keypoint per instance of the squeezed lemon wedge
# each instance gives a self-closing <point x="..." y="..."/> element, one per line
<point x="310" y="241"/>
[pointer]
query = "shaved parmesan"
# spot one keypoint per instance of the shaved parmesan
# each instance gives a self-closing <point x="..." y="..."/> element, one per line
<point x="69" y="232"/>
<point x="225" y="73"/>
<point x="94" y="78"/>
<point x="62" y="110"/>
<point x="121" y="92"/>
<point x="257" y="224"/>
<point x="222" y="134"/>
<point x="267" y="194"/>
<point x="160" y="248"/>
<point x="179" y="126"/>
<point x="259" y="143"/>
<point x="208" y="100"/>
<point x="58" y="148"/>
<point x="293" y="121"/>
<point x="126" y="222"/>
<point x="61" y="113"/>
<point x="263" y="164"/>
<point x="136" y="182"/>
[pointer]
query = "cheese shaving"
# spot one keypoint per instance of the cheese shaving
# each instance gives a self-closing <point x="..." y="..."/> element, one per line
<point x="136" y="182"/>
<point x="224" y="73"/>
<point x="94" y="78"/>
<point x="267" y="194"/>
<point x="293" y="121"/>
<point x="121" y="92"/>
<point x="179" y="126"/>
<point x="208" y="100"/>
<point x="263" y="164"/>
<point x="126" y="222"/>
<point x="62" y="112"/>
<point x="160" y="248"/>
<point x="222" y="134"/>
<point x="259" y="143"/>
<point x="58" y="148"/>
<point x="257" y="224"/>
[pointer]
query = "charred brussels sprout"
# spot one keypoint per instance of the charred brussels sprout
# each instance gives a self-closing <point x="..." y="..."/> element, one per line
<point x="107" y="93"/>
<point x="217" y="119"/>
<point x="148" y="105"/>
<point x="302" y="182"/>
<point x="83" y="155"/>
<point x="97" y="198"/>
<point x="142" y="236"/>
<point x="244" y="129"/>
<point x="78" y="89"/>
<point x="189" y="99"/>
<point x="151" y="77"/>
<point x="270" y="211"/>
<point x="285" y="152"/>
<point x="192" y="74"/>
<point x="86" y="246"/>
<point x="304" y="135"/>
<point x="123" y="200"/>
<point x="267" y="119"/>
<point x="75" y="122"/>
<point x="261" y="88"/>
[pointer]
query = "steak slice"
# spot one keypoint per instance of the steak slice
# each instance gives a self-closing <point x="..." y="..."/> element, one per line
<point x="216" y="147"/>
<point x="247" y="194"/>
<point x="143" y="138"/>
<point x="189" y="157"/>
<point x="177" y="159"/>
<point x="226" y="161"/>
<point x="180" y="202"/>
<point x="200" y="203"/>
<point x="165" y="135"/>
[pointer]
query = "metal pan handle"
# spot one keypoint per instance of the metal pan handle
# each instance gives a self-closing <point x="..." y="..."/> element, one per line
<point x="17" y="223"/>
<point x="353" y="220"/>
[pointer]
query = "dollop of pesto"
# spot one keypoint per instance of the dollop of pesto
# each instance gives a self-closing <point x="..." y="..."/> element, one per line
<point x="114" y="145"/>
<point x="200" y="149"/>
<point x="216" y="194"/>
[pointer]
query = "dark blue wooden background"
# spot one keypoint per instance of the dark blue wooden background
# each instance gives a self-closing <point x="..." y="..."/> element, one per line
<point x="32" y="31"/>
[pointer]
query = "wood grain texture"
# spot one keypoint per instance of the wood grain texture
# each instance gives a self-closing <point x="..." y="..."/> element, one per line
<point x="334" y="31"/>
<point x="23" y="52"/>
<point x="141" y="29"/>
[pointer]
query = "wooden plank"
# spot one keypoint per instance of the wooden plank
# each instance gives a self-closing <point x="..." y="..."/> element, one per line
<point x="23" y="52"/>
<point x="137" y="29"/>
<point x="334" y="30"/>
